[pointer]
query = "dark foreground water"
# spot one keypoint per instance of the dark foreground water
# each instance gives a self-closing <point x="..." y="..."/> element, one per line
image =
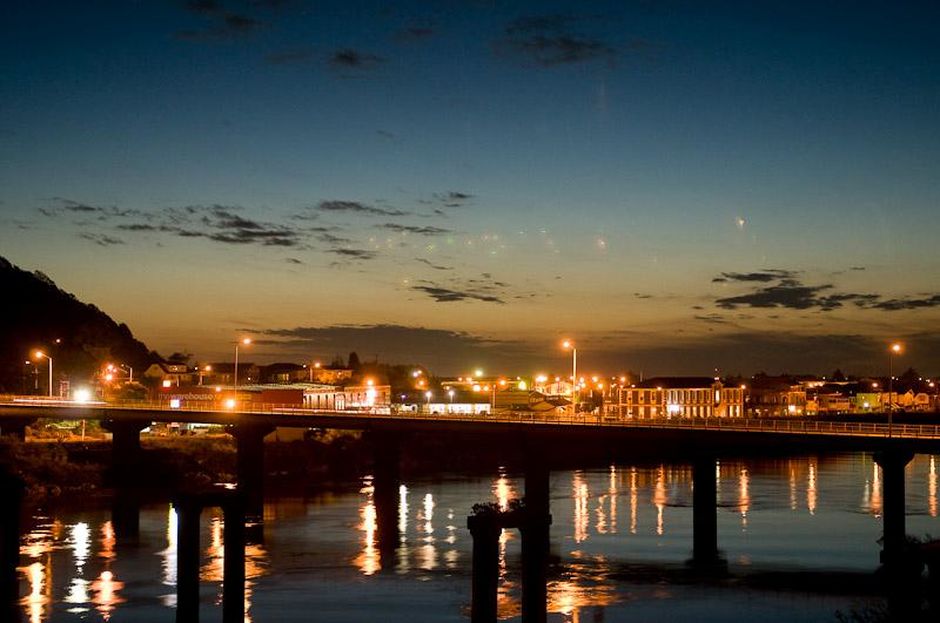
<point x="621" y="536"/>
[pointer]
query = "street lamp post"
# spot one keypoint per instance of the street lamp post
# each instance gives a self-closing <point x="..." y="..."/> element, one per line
<point x="450" y="394"/>
<point x="40" y="355"/>
<point x="894" y="349"/>
<point x="569" y="345"/>
<point x="244" y="341"/>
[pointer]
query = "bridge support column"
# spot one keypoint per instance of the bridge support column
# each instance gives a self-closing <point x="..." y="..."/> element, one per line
<point x="11" y="492"/>
<point x="485" y="531"/>
<point x="705" y="552"/>
<point x="15" y="427"/>
<point x="386" y="481"/>
<point x="535" y="533"/>
<point x="233" y="566"/>
<point x="189" y="510"/>
<point x="125" y="476"/>
<point x="188" y="514"/>
<point x="894" y="541"/>
<point x="249" y="441"/>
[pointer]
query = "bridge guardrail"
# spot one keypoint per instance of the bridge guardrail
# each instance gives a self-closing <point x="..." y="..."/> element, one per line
<point x="779" y="426"/>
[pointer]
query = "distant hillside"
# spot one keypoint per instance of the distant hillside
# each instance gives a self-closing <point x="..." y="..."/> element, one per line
<point x="35" y="313"/>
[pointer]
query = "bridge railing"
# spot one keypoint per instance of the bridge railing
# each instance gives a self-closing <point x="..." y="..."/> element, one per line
<point x="780" y="426"/>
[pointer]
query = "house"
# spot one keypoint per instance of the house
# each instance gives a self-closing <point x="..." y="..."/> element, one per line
<point x="169" y="374"/>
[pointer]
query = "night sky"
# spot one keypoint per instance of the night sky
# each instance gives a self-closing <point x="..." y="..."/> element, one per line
<point x="678" y="186"/>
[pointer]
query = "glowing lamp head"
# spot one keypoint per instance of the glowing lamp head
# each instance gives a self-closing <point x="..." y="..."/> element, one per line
<point x="567" y="344"/>
<point x="428" y="395"/>
<point x="39" y="354"/>
<point x="82" y="395"/>
<point x="230" y="403"/>
<point x="896" y="348"/>
<point x="478" y="373"/>
<point x="246" y="341"/>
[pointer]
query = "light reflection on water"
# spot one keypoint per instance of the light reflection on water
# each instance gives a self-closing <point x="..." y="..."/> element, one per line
<point x="785" y="512"/>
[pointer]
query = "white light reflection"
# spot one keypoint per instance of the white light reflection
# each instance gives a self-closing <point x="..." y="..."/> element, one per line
<point x="168" y="555"/>
<point x="428" y="551"/>
<point x="79" y="542"/>
<point x="793" y="503"/>
<point x="368" y="559"/>
<point x="37" y="600"/>
<point x="403" y="553"/>
<point x="581" y="513"/>
<point x="660" y="499"/>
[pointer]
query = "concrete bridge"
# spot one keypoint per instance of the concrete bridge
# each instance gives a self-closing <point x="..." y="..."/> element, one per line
<point x="702" y="442"/>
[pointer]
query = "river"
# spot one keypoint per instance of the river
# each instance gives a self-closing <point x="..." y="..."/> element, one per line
<point x="619" y="541"/>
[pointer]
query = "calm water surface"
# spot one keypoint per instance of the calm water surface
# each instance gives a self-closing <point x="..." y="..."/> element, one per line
<point x="318" y="557"/>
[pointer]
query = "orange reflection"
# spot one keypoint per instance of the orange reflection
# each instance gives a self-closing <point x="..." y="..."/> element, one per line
<point x="932" y="488"/>
<point x="811" y="489"/>
<point x="744" y="497"/>
<point x="39" y="543"/>
<point x="106" y="598"/>
<point x="108" y="541"/>
<point x="613" y="492"/>
<point x="585" y="584"/>
<point x="256" y="562"/>
<point x="634" y="499"/>
<point x="876" y="505"/>
<point x="792" y="486"/>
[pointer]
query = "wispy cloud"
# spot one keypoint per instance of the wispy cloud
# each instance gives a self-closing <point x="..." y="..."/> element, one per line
<point x="100" y="239"/>
<point x="353" y="254"/>
<point x="453" y="199"/>
<point x="415" y="229"/>
<point x="484" y="289"/>
<point x="352" y="59"/>
<point x="355" y="207"/>
<point x="762" y="276"/>
<point x="221" y="23"/>
<point x="550" y="40"/>
<point x="428" y="262"/>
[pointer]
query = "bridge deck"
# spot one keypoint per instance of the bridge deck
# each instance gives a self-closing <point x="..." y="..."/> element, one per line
<point x="291" y="416"/>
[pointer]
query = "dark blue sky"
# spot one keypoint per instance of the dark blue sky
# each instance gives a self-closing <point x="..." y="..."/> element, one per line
<point x="679" y="185"/>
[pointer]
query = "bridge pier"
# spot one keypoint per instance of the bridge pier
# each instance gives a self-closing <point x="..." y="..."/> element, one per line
<point x="894" y="540"/>
<point x="485" y="530"/>
<point x="125" y="476"/>
<point x="536" y="537"/>
<point x="386" y="481"/>
<point x="189" y="511"/>
<point x="12" y="490"/>
<point x="249" y="443"/>
<point x="705" y="553"/>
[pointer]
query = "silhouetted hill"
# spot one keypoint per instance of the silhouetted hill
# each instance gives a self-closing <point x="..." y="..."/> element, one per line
<point x="35" y="313"/>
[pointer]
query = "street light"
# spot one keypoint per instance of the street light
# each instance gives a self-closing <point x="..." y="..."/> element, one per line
<point x="40" y="355"/>
<point x="569" y="345"/>
<point x="243" y="342"/>
<point x="894" y="349"/>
